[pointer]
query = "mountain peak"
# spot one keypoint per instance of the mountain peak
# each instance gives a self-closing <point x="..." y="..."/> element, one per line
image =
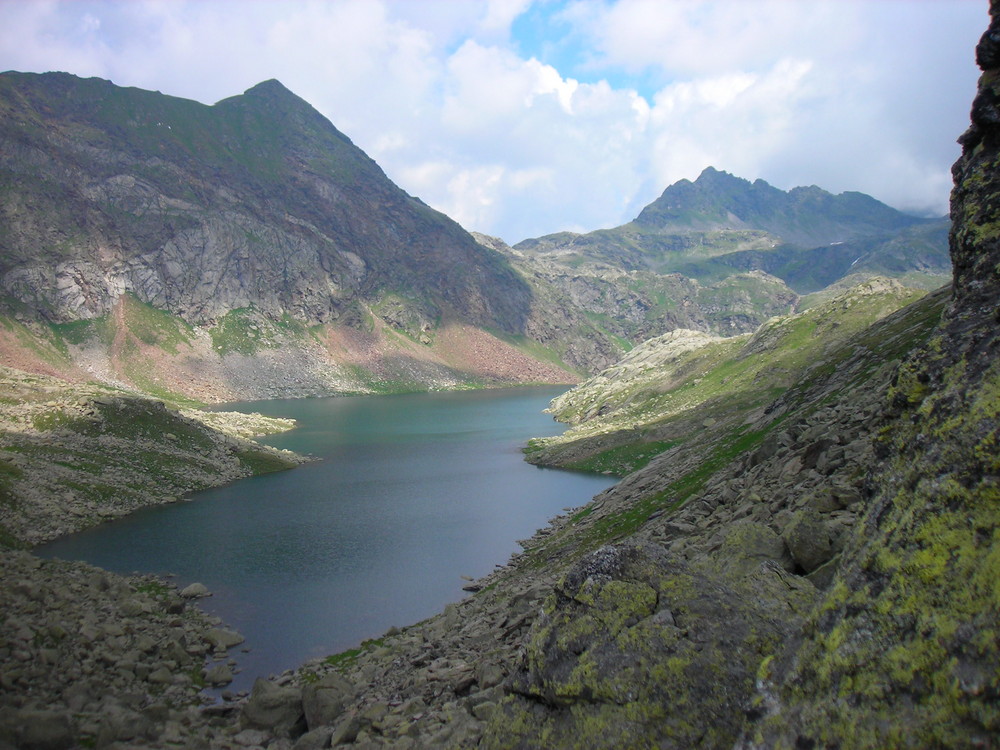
<point x="711" y="174"/>
<point x="271" y="91"/>
<point x="270" y="87"/>
<point x="803" y="216"/>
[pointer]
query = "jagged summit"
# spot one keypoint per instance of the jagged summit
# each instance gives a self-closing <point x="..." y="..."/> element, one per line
<point x="721" y="225"/>
<point x="804" y="216"/>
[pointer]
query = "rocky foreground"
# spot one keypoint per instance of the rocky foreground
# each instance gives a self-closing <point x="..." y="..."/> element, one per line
<point x="92" y="659"/>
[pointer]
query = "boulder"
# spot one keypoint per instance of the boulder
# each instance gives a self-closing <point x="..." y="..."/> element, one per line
<point x="220" y="674"/>
<point x="161" y="676"/>
<point x="323" y="702"/>
<point x="746" y="545"/>
<point x="808" y="540"/>
<point x="195" y="591"/>
<point x="223" y="639"/>
<point x="275" y="708"/>
<point x="315" y="739"/>
<point x="633" y="638"/>
<point x="44" y="730"/>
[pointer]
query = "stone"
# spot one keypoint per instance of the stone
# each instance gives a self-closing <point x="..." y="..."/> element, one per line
<point x="346" y="731"/>
<point x="120" y="723"/>
<point x="195" y="591"/>
<point x="161" y="676"/>
<point x="663" y="618"/>
<point x="44" y="730"/>
<point x="746" y="545"/>
<point x="323" y="702"/>
<point x="808" y="540"/>
<point x="144" y="643"/>
<point x="822" y="577"/>
<point x="220" y="674"/>
<point x="221" y="639"/>
<point x="489" y="675"/>
<point x="314" y="739"/>
<point x="275" y="708"/>
<point x="252" y="738"/>
<point x="483" y="711"/>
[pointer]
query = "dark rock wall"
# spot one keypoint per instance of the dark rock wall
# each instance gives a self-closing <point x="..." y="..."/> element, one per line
<point x="903" y="651"/>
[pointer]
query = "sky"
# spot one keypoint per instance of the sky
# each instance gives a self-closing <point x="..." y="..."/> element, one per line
<point x="520" y="118"/>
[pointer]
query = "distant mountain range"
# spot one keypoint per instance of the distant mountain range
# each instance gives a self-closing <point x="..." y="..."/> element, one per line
<point x="249" y="249"/>
<point x="720" y="224"/>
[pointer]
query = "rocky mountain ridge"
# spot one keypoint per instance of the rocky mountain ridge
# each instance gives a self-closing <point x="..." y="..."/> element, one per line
<point x="249" y="250"/>
<point x="721" y="225"/>
<point x="196" y="210"/>
<point x="253" y="222"/>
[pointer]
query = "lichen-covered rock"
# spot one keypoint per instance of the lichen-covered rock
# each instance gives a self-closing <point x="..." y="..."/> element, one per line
<point x="747" y="545"/>
<point x="904" y="649"/>
<point x="323" y="702"/>
<point x="632" y="652"/>
<point x="809" y="540"/>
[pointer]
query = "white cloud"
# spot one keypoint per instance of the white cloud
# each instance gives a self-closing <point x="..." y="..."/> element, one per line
<point x="852" y="95"/>
<point x="500" y="14"/>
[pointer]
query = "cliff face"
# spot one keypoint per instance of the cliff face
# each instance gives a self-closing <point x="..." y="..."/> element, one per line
<point x="907" y="638"/>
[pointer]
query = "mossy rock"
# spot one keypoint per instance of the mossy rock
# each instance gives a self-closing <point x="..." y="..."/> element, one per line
<point x="631" y="652"/>
<point x="809" y="540"/>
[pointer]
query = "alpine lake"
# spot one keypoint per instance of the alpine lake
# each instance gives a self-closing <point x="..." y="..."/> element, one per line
<point x="407" y="494"/>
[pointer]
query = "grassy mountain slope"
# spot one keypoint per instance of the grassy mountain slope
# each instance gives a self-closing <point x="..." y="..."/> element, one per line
<point x="254" y="223"/>
<point x="678" y="386"/>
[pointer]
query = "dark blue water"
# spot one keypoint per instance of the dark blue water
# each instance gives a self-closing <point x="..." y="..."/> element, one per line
<point x="410" y="493"/>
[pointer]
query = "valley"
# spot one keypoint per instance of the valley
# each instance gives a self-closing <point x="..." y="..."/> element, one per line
<point x="801" y="550"/>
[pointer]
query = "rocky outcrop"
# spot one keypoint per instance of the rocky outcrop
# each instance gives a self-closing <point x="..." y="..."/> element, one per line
<point x="623" y="304"/>
<point x="906" y="636"/>
<point x="92" y="659"/>
<point x="75" y="455"/>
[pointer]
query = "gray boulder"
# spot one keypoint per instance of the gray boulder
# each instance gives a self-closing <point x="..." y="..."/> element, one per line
<point x="808" y="540"/>
<point x="223" y="639"/>
<point x="220" y="674"/>
<point x="44" y="730"/>
<point x="194" y="591"/>
<point x="275" y="708"/>
<point x="323" y="702"/>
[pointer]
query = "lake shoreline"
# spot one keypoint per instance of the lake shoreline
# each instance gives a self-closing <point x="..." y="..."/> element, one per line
<point x="73" y="456"/>
<point x="177" y="705"/>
